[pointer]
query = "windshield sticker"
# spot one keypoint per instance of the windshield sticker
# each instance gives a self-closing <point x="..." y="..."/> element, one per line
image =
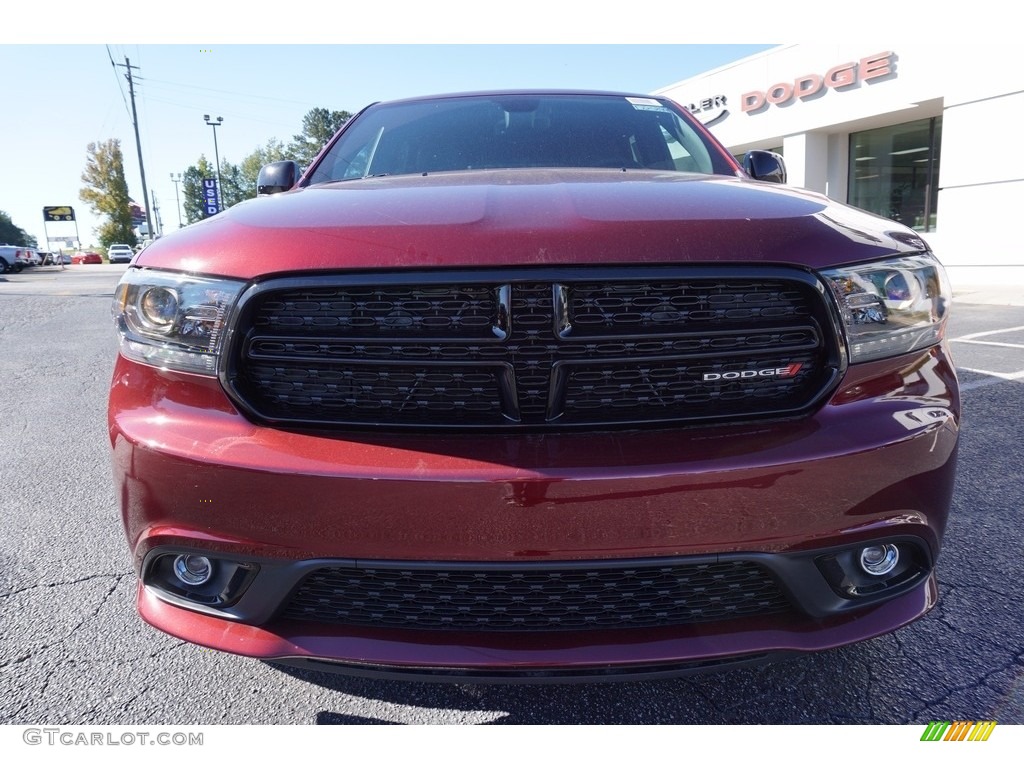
<point x="647" y="105"/>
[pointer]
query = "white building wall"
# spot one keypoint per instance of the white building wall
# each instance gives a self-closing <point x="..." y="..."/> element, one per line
<point x="978" y="91"/>
<point x="807" y="160"/>
<point x="837" y="175"/>
<point x="981" y="179"/>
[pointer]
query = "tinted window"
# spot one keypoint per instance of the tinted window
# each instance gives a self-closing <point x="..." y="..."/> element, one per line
<point x="467" y="133"/>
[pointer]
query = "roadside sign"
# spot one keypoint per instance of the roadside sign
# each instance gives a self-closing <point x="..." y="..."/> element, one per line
<point x="58" y="213"/>
<point x="211" y="201"/>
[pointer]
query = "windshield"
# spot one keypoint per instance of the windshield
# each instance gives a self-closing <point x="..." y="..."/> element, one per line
<point x="517" y="131"/>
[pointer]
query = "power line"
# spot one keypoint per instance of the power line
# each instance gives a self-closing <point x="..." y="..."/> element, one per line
<point x="120" y="88"/>
<point x="259" y="97"/>
<point x="150" y="98"/>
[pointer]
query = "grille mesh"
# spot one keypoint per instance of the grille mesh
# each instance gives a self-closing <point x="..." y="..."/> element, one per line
<point x="624" y="307"/>
<point x="654" y="388"/>
<point x="519" y="352"/>
<point x="531" y="599"/>
<point x="385" y="311"/>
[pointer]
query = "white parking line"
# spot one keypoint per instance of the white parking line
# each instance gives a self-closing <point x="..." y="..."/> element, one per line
<point x="994" y="378"/>
<point x="990" y="343"/>
<point x="970" y="336"/>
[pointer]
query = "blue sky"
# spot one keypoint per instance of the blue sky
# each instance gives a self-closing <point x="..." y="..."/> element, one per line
<point x="66" y="96"/>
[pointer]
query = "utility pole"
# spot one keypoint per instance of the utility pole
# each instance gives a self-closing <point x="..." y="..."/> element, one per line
<point x="138" y="145"/>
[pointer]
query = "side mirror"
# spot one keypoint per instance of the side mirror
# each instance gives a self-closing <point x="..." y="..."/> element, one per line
<point x="277" y="177"/>
<point x="762" y="165"/>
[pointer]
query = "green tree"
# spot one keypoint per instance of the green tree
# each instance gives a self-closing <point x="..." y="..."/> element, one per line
<point x="107" y="192"/>
<point x="192" y="189"/>
<point x="318" y="127"/>
<point x="250" y="166"/>
<point x="233" y="188"/>
<point x="11" y="234"/>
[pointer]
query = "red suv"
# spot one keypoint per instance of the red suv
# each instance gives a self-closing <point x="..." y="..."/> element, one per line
<point x="533" y="386"/>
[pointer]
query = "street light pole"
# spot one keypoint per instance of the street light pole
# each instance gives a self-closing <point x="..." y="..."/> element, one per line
<point x="213" y="124"/>
<point x="177" y="198"/>
<point x="156" y="213"/>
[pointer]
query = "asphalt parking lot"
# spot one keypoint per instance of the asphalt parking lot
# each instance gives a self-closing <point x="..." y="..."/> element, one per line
<point x="72" y="650"/>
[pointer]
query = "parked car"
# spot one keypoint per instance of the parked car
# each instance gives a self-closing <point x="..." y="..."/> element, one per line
<point x="120" y="253"/>
<point x="50" y="258"/>
<point x="12" y="258"/>
<point x="533" y="385"/>
<point x="87" y="258"/>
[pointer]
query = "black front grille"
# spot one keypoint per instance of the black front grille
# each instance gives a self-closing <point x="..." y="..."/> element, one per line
<point x="532" y="348"/>
<point x="382" y="311"/>
<point x="536" y="598"/>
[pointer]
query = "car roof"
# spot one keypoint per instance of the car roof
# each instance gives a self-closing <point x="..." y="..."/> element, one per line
<point x="521" y="92"/>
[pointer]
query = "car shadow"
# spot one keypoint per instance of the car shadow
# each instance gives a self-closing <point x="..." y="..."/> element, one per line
<point x="801" y="690"/>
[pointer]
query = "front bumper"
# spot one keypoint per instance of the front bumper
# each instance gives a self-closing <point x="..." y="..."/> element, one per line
<point x="875" y="463"/>
<point x="540" y="657"/>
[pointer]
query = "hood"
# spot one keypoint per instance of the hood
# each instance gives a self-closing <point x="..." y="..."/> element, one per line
<point x="525" y="217"/>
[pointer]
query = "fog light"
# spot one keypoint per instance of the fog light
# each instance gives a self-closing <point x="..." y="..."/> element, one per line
<point x="191" y="578"/>
<point x="880" y="559"/>
<point x="193" y="570"/>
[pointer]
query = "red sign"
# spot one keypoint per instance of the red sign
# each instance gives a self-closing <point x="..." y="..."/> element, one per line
<point x="850" y="73"/>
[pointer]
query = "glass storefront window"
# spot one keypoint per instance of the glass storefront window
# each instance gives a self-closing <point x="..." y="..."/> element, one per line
<point x="894" y="172"/>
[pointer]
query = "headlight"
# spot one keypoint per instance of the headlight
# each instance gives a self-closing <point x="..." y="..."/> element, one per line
<point x="173" y="321"/>
<point x="891" y="307"/>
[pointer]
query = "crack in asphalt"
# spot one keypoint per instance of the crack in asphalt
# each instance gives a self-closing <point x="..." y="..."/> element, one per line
<point x="172" y="647"/>
<point x="118" y="576"/>
<point x="18" y="660"/>
<point x="1016" y="660"/>
<point x="973" y="585"/>
<point x="90" y="714"/>
<point x="948" y="692"/>
<point x="983" y="682"/>
<point x="53" y="671"/>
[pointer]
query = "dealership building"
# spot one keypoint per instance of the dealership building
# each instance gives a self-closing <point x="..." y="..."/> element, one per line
<point x="926" y="135"/>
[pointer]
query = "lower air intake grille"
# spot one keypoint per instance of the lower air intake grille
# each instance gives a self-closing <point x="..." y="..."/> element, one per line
<point x="538" y="598"/>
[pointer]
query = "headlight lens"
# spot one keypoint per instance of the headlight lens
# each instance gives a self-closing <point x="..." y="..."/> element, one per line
<point x="173" y="321"/>
<point x="158" y="306"/>
<point x="891" y="307"/>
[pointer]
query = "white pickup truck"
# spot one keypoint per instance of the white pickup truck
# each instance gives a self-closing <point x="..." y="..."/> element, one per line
<point x="14" y="258"/>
